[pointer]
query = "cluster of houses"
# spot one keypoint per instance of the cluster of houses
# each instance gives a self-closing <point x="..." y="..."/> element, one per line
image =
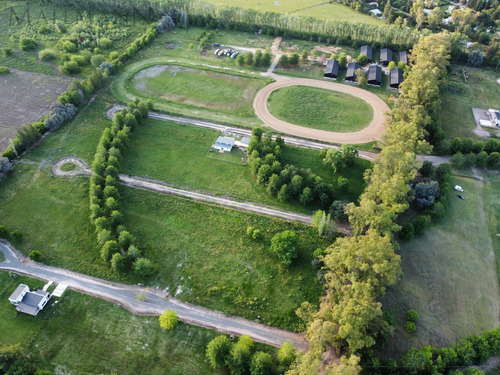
<point x="374" y="70"/>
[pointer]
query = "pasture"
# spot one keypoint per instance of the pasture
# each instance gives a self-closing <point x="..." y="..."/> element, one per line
<point x="449" y="273"/>
<point x="24" y="98"/>
<point x="481" y="90"/>
<point x="320" y="109"/>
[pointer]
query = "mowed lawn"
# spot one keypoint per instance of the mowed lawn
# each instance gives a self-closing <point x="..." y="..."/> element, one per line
<point x="320" y="109"/>
<point x="313" y="8"/>
<point x="197" y="87"/>
<point x="87" y="335"/>
<point x="449" y="275"/>
<point x="179" y="154"/>
<point x="480" y="91"/>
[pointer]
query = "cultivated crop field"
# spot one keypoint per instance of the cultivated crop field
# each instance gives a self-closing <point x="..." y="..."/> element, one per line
<point x="320" y="109"/>
<point x="449" y="275"/>
<point x="26" y="97"/>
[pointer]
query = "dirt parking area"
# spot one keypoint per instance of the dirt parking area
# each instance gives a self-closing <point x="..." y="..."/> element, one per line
<point x="25" y="97"/>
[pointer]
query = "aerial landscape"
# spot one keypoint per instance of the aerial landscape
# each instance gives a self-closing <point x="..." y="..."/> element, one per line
<point x="249" y="187"/>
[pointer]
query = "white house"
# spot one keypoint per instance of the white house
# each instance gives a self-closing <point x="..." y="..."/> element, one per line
<point x="29" y="302"/>
<point x="224" y="144"/>
<point x="376" y="12"/>
<point x="494" y="117"/>
<point x="243" y="142"/>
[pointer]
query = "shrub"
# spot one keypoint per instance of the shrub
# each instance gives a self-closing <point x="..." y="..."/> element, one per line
<point x="286" y="354"/>
<point x="407" y="232"/>
<point x="257" y="235"/>
<point x="412" y="315"/>
<point x="105" y="43"/>
<point x="7" y="51"/>
<point x="69" y="46"/>
<point x="35" y="255"/>
<point x="294" y="59"/>
<point x="421" y="223"/>
<point x="250" y="231"/>
<point x="70" y="67"/>
<point x="284" y="245"/>
<point x="27" y="44"/>
<point x="16" y="235"/>
<point x="410" y="327"/>
<point x="125" y="239"/>
<point x="218" y="351"/>
<point x="4" y="232"/>
<point x="97" y="60"/>
<point x="362" y="59"/>
<point x="119" y="262"/>
<point x="261" y="364"/>
<point x="4" y="70"/>
<point x="143" y="267"/>
<point x="47" y="55"/>
<point x="80" y="60"/>
<point x="109" y="249"/>
<point x="168" y="319"/>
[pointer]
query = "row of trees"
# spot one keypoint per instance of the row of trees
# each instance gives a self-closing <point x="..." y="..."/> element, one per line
<point x="286" y="182"/>
<point x="361" y="267"/>
<point x="241" y="357"/>
<point x="474" y="350"/>
<point x="258" y="59"/>
<point x="116" y="243"/>
<point x="272" y="23"/>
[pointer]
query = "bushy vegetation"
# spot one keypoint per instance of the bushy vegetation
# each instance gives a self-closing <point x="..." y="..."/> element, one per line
<point x="116" y="243"/>
<point x="4" y="70"/>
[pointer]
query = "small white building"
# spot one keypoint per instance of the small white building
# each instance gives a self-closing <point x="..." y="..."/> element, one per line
<point x="494" y="117"/>
<point x="224" y="144"/>
<point x="243" y="142"/>
<point x="29" y="302"/>
<point x="376" y="12"/>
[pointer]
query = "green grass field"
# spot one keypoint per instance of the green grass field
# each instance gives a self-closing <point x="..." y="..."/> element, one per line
<point x="177" y="154"/>
<point x="480" y="91"/>
<point x="313" y="8"/>
<point x="320" y="109"/>
<point x="449" y="273"/>
<point x="197" y="87"/>
<point x="86" y="335"/>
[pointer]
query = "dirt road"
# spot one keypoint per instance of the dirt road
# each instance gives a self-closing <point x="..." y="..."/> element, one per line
<point x="372" y="132"/>
<point x="154" y="303"/>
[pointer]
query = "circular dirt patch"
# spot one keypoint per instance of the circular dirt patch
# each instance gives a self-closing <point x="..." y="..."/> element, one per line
<point x="320" y="109"/>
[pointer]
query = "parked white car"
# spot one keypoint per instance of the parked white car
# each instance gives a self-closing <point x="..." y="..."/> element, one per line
<point x="458" y="188"/>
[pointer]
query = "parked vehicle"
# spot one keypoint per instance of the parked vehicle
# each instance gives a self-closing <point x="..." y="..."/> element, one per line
<point x="216" y="51"/>
<point x="458" y="188"/>
<point x="460" y="196"/>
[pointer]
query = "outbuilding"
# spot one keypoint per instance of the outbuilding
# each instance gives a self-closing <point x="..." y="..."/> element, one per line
<point x="351" y="71"/>
<point x="494" y="117"/>
<point x="385" y="56"/>
<point x="27" y="302"/>
<point x="367" y="51"/>
<point x="403" y="56"/>
<point x="375" y="75"/>
<point x="396" y="77"/>
<point x="376" y="12"/>
<point x="224" y="144"/>
<point x="332" y="69"/>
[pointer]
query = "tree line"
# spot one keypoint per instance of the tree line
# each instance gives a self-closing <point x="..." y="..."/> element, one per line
<point x="117" y="244"/>
<point x="361" y="267"/>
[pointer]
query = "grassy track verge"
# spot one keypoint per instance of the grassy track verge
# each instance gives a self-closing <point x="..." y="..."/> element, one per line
<point x="320" y="109"/>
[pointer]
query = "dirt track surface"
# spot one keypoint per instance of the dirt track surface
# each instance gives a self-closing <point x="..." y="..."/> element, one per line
<point x="372" y="132"/>
<point x="155" y="301"/>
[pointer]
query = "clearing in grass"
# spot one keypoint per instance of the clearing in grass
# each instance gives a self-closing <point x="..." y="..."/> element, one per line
<point x="320" y="109"/>
<point x="449" y="275"/>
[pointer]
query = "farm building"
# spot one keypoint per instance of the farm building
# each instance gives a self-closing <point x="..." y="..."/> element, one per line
<point x="385" y="56"/>
<point x="494" y="117"/>
<point x="243" y="142"/>
<point x="332" y="69"/>
<point x="403" y="56"/>
<point x="351" y="71"/>
<point x="29" y="302"/>
<point x="367" y="51"/>
<point x="396" y="77"/>
<point x="375" y="75"/>
<point x="224" y="144"/>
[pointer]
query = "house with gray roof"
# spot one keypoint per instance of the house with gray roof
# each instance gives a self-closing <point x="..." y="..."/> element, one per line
<point x="224" y="144"/>
<point x="375" y="75"/>
<point x="332" y="69"/>
<point x="385" y="56"/>
<point x="403" y="56"/>
<point x="396" y="77"/>
<point x="29" y="302"/>
<point x="367" y="51"/>
<point x="351" y="71"/>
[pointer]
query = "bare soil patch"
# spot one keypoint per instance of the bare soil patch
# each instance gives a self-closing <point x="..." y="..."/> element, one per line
<point x="26" y="97"/>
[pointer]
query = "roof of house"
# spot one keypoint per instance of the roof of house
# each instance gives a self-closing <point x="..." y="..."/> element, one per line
<point x="34" y="298"/>
<point x="403" y="56"/>
<point x="245" y="140"/>
<point x="396" y="76"/>
<point x="332" y="67"/>
<point x="367" y="51"/>
<point x="17" y="293"/>
<point x="225" y="141"/>
<point x="351" y="69"/>
<point x="27" y="309"/>
<point x="375" y="74"/>
<point x="385" y="54"/>
<point x="377" y="12"/>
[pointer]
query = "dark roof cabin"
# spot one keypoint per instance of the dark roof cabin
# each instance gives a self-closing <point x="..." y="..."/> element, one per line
<point x="403" y="56"/>
<point x="367" y="51"/>
<point x="332" y="69"/>
<point x="375" y="75"/>
<point x="396" y="78"/>
<point x="385" y="56"/>
<point x="351" y="71"/>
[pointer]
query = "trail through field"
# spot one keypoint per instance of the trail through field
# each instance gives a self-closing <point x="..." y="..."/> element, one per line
<point x="152" y="301"/>
<point x="161" y="187"/>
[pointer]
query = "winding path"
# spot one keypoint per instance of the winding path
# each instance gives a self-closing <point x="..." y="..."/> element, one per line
<point x="83" y="169"/>
<point x="154" y="303"/>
